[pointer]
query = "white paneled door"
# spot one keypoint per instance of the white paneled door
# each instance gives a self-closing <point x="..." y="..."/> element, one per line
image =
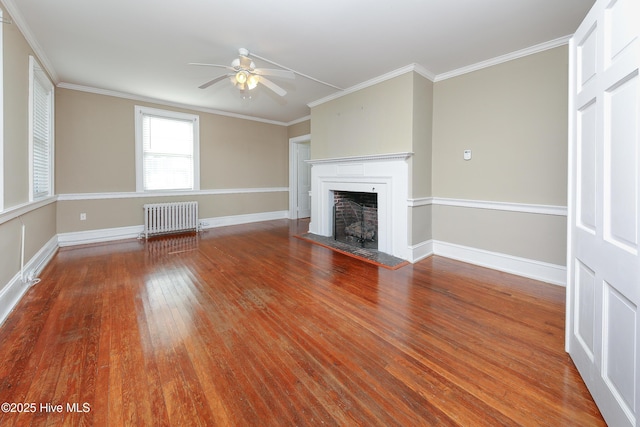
<point x="603" y="293"/>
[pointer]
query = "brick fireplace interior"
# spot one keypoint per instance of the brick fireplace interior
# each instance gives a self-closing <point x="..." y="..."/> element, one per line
<point x="355" y="218"/>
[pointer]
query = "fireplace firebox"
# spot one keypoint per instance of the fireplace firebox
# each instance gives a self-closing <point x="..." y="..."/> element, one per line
<point x="355" y="218"/>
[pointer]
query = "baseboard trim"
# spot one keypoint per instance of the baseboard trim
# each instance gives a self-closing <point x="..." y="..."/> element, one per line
<point x="533" y="269"/>
<point x="132" y="232"/>
<point x="16" y="288"/>
<point x="223" y="221"/>
<point x="420" y="251"/>
<point x="99" y="236"/>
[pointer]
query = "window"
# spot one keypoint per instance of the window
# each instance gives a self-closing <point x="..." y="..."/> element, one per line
<point x="167" y="150"/>
<point x="40" y="132"/>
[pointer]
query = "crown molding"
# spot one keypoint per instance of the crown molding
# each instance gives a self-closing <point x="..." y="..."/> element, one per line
<point x="19" y="21"/>
<point x="374" y="81"/>
<point x="140" y="98"/>
<point x="300" y="120"/>
<point x="424" y="72"/>
<point x="504" y="58"/>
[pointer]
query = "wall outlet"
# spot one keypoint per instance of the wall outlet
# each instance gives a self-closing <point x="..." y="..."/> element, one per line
<point x="466" y="155"/>
<point x="83" y="216"/>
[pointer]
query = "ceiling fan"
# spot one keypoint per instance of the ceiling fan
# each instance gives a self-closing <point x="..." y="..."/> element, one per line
<point x="245" y="76"/>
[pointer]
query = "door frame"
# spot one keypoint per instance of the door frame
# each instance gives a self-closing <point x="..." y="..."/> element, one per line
<point x="293" y="172"/>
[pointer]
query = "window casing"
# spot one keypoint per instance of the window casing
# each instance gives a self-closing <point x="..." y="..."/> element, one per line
<point x="41" y="134"/>
<point x="167" y="150"/>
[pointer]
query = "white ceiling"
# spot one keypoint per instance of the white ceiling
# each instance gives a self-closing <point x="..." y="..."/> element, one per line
<point x="141" y="47"/>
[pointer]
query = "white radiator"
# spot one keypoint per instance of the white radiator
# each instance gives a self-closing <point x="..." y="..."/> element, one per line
<point x="165" y="218"/>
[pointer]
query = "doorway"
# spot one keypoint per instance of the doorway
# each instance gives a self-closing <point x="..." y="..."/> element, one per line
<point x="299" y="177"/>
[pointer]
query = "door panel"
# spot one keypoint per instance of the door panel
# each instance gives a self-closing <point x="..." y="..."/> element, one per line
<point x="587" y="167"/>
<point x="620" y="345"/>
<point x="585" y="308"/>
<point x="604" y="264"/>
<point x="621" y="169"/>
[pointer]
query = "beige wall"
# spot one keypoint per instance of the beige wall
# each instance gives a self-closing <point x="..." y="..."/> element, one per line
<point x="514" y="118"/>
<point x="421" y="163"/>
<point x="96" y="147"/>
<point x="390" y="117"/>
<point x="96" y="154"/>
<point x="40" y="227"/>
<point x="299" y="129"/>
<point x="373" y="120"/>
<point x="126" y="212"/>
<point x="422" y="146"/>
<point x="16" y="101"/>
<point x="526" y="235"/>
<point x="39" y="223"/>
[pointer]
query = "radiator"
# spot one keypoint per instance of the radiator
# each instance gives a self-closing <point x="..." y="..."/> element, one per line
<point x="166" y="218"/>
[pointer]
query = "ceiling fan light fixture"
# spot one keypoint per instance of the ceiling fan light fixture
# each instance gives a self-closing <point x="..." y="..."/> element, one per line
<point x="241" y="77"/>
<point x="252" y="81"/>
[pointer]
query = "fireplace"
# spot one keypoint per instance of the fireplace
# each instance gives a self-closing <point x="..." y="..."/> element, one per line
<point x="385" y="176"/>
<point x="355" y="218"/>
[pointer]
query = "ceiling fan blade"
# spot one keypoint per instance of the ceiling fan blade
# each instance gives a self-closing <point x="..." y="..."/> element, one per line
<point x="214" y="81"/>
<point x="285" y="74"/>
<point x="274" y="87"/>
<point x="211" y="65"/>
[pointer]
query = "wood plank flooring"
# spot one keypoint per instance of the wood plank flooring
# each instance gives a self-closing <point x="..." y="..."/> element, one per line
<point x="249" y="326"/>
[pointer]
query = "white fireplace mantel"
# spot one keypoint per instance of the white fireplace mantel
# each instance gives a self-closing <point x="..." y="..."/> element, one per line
<point x="384" y="174"/>
<point x="368" y="158"/>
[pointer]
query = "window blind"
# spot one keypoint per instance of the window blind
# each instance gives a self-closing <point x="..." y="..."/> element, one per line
<point x="42" y="131"/>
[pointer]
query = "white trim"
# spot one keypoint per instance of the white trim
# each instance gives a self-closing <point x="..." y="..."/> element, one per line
<point x="132" y="232"/>
<point x="135" y="195"/>
<point x="419" y="69"/>
<point x="223" y="221"/>
<point x="533" y="269"/>
<point x="420" y="251"/>
<point x="140" y="112"/>
<point x="504" y="58"/>
<point x="421" y="201"/>
<point x="571" y="192"/>
<point x="300" y="139"/>
<point x="502" y="206"/>
<point x="166" y="103"/>
<point x="366" y="158"/>
<point x="492" y="205"/>
<point x="99" y="236"/>
<point x="374" y="81"/>
<point x="300" y="120"/>
<point x="293" y="171"/>
<point x="16" y="211"/>
<point x="13" y="291"/>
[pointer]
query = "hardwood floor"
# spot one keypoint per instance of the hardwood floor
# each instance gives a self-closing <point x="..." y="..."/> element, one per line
<point x="246" y="325"/>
